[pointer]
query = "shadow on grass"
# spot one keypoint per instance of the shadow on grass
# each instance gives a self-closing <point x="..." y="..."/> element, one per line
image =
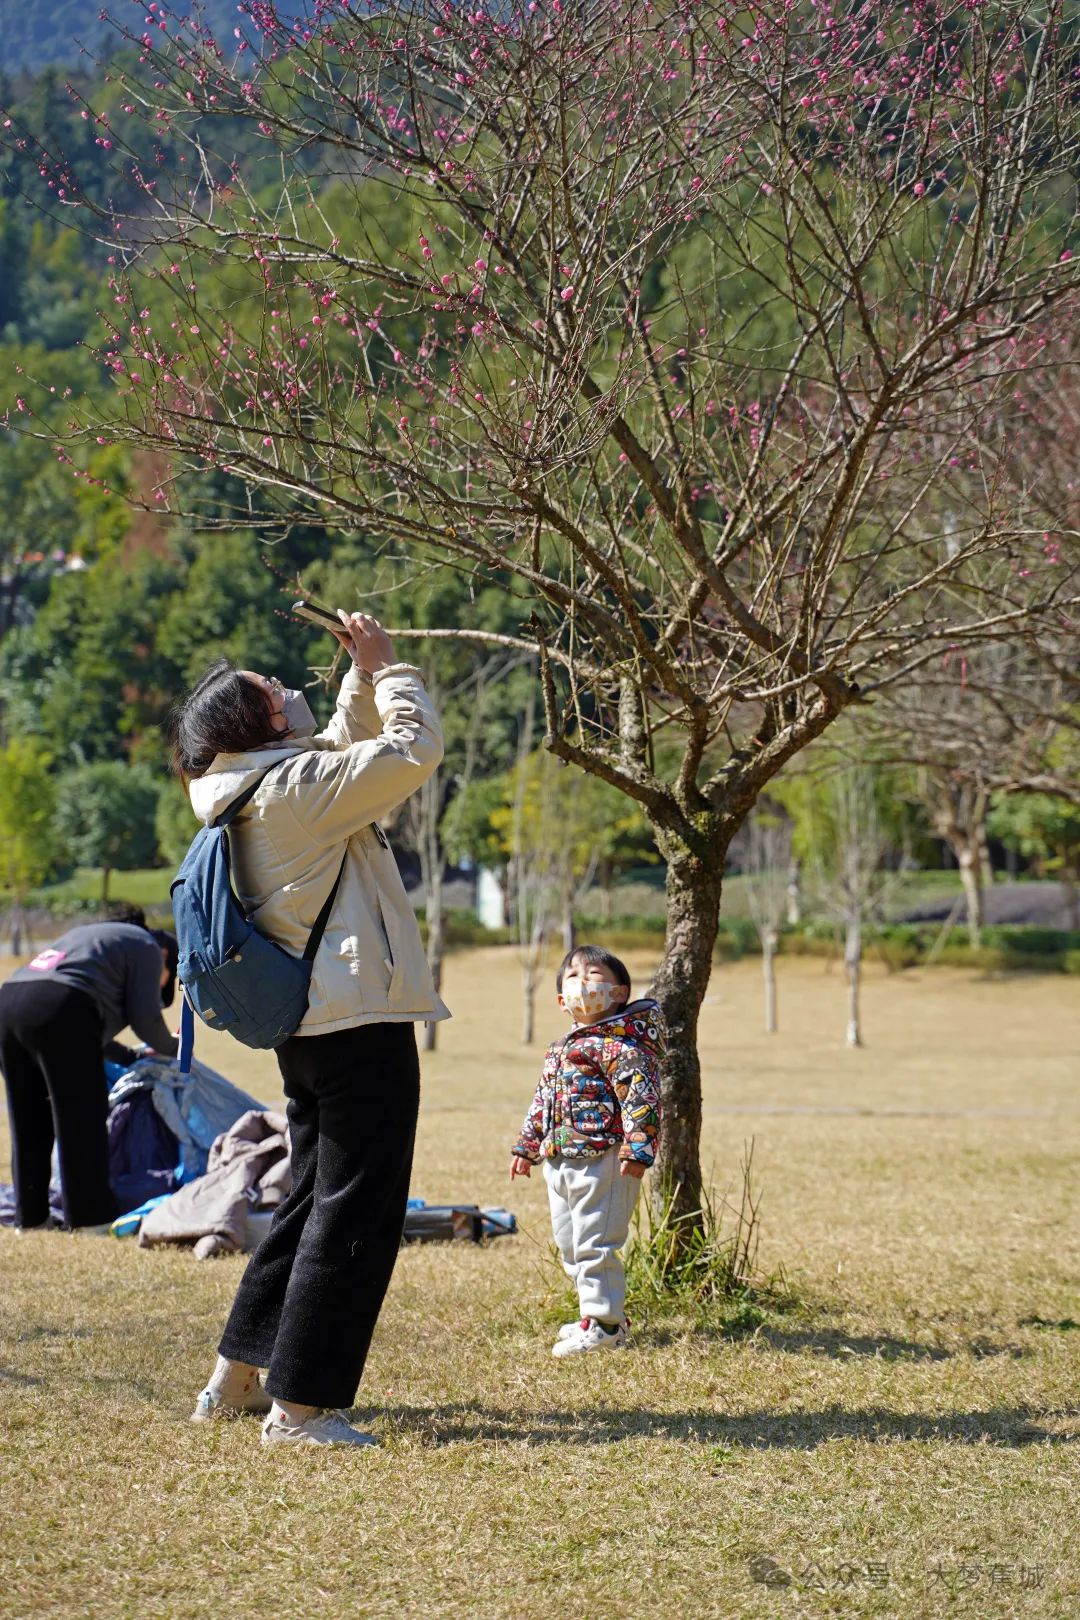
<point x="879" y="1347"/>
<point x="831" y="1342"/>
<point x="448" y="1424"/>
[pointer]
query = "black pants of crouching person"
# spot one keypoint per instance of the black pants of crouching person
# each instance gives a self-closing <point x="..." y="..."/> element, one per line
<point x="308" y="1302"/>
<point x="50" y="1055"/>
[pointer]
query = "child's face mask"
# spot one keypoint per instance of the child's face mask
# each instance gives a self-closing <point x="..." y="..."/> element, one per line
<point x="588" y="1000"/>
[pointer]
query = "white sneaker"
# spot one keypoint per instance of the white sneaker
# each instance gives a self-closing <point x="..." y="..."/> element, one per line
<point x="589" y="1335"/>
<point x="568" y="1329"/>
<point x="212" y="1404"/>
<point x="326" y="1428"/>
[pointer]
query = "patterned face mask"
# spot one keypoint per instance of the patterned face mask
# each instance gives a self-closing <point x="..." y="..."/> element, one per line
<point x="586" y="1002"/>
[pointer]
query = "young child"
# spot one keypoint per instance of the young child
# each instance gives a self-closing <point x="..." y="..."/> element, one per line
<point x="595" y="1124"/>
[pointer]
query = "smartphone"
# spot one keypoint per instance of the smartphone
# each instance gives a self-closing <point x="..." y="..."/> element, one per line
<point x="317" y="615"/>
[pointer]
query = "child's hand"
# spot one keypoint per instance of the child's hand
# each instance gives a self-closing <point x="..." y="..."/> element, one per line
<point x="631" y="1167"/>
<point x="519" y="1166"/>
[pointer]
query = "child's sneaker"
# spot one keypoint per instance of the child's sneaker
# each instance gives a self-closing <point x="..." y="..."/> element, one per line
<point x="212" y="1404"/>
<point x="320" y="1429"/>
<point x="589" y="1335"/>
<point x="568" y="1329"/>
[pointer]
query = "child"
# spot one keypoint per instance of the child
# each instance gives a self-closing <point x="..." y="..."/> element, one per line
<point x="595" y="1124"/>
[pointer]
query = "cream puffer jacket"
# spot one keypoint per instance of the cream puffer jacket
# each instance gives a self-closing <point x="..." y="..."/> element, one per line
<point x="321" y="804"/>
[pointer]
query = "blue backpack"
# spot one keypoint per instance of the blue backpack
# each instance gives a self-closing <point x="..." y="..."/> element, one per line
<point x="233" y="976"/>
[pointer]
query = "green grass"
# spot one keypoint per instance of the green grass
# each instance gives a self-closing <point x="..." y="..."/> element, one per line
<point x="903" y="1440"/>
<point x="146" y="886"/>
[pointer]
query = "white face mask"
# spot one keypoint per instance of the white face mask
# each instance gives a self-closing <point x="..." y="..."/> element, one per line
<point x="298" y="716"/>
<point x="588" y="1001"/>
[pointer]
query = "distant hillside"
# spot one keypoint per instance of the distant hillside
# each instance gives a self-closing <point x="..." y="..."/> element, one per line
<point x="35" y="33"/>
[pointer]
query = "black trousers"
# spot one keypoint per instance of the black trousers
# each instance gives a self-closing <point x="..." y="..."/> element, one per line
<point x="50" y="1055"/>
<point x="308" y="1302"/>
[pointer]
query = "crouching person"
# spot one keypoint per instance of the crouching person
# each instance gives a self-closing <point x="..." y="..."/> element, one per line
<point x="594" y="1123"/>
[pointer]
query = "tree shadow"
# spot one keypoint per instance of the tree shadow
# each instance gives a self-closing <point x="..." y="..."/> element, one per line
<point x="8" y="1375"/>
<point x="463" y="1421"/>
<point x="878" y="1347"/>
<point x="833" y="1343"/>
<point x="45" y="1330"/>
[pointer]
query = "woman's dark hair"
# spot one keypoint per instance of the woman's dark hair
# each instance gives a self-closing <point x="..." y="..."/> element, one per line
<point x="592" y="956"/>
<point x="222" y="714"/>
<point x="168" y="944"/>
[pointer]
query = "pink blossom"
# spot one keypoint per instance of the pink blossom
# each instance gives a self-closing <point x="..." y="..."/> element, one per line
<point x="566" y="294"/>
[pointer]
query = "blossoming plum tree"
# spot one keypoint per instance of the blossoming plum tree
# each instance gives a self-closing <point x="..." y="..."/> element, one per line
<point x="692" y="322"/>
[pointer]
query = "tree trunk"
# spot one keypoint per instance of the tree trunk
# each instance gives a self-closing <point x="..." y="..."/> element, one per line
<point x="606" y="877"/>
<point x="16" y="929"/>
<point x="958" y="814"/>
<point x="569" y="927"/>
<point x="426" y="811"/>
<point x="853" y="969"/>
<point x="768" y="963"/>
<point x="794" y="895"/>
<point x="528" y="1004"/>
<point x="971" y="880"/>
<point x="436" y="939"/>
<point x="693" y="913"/>
<point x="106" y="873"/>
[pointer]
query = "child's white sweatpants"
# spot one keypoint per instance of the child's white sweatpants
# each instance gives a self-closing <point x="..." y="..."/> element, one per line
<point x="591" y="1205"/>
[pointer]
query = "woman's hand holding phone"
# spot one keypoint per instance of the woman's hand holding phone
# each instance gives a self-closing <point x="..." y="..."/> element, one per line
<point x="365" y="640"/>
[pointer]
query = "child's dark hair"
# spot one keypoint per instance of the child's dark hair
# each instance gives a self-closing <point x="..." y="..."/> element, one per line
<point x="222" y="714"/>
<point x="592" y="956"/>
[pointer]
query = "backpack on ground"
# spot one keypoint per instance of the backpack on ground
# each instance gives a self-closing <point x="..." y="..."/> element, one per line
<point x="231" y="975"/>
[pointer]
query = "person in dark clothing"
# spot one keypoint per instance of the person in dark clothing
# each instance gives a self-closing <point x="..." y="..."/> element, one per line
<point x="56" y="1016"/>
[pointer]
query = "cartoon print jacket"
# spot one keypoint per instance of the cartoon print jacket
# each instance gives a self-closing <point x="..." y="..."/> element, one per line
<point x="600" y="1088"/>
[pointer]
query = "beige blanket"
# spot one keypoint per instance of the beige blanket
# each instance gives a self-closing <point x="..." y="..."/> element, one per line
<point x="248" y="1169"/>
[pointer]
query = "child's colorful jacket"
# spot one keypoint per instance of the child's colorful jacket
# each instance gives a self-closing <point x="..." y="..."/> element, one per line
<point x="599" y="1089"/>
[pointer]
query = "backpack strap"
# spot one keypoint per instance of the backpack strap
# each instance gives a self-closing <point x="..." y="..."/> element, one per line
<point x="315" y="937"/>
<point x="187" y="1017"/>
<point x="231" y="811"/>
<point x="187" y="1036"/>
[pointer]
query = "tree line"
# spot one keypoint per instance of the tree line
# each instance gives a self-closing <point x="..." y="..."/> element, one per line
<point x="723" y="352"/>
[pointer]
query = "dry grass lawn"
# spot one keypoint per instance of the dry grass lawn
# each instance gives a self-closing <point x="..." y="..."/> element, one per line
<point x="905" y="1442"/>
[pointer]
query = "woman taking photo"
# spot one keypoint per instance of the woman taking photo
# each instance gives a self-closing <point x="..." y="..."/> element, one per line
<point x="308" y="1302"/>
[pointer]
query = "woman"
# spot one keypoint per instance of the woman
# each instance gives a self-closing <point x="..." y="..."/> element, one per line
<point x="308" y="1302"/>
<point x="56" y="1016"/>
